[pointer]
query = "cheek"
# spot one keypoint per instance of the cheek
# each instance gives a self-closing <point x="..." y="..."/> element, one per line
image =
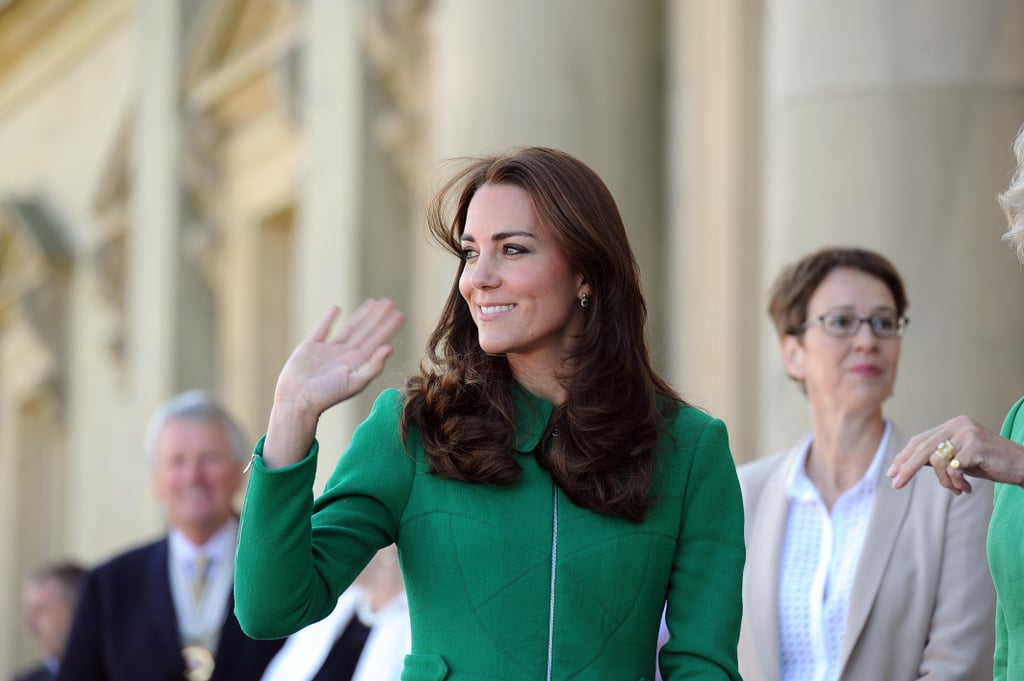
<point x="223" y="478"/>
<point x="464" y="288"/>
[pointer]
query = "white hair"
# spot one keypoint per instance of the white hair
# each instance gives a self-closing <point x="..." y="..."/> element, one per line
<point x="194" y="405"/>
<point x="1012" y="200"/>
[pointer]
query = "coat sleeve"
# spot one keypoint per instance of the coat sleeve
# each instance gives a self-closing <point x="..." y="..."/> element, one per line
<point x="83" y="655"/>
<point x="1000" y="658"/>
<point x="705" y="592"/>
<point x="295" y="556"/>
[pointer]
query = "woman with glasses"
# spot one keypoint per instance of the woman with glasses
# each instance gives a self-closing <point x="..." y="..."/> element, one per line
<point x="845" y="577"/>
<point x="962" y="447"/>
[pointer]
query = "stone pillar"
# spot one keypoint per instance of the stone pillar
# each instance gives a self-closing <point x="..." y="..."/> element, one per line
<point x="888" y="124"/>
<point x="580" y="75"/>
<point x="711" y="259"/>
<point x="330" y="235"/>
<point x="111" y="478"/>
<point x="156" y="206"/>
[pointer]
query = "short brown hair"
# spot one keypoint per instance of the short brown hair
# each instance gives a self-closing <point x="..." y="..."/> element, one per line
<point x="793" y="288"/>
<point x="69" y="575"/>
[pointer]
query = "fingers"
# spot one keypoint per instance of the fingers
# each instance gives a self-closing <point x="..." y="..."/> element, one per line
<point x="942" y="473"/>
<point x="373" y="324"/>
<point x="365" y="340"/>
<point x="366" y="372"/>
<point x="917" y="453"/>
<point x="929" y="449"/>
<point x="958" y="479"/>
<point x="323" y="326"/>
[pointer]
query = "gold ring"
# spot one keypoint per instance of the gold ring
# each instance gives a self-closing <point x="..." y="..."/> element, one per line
<point x="955" y="464"/>
<point x="945" y="451"/>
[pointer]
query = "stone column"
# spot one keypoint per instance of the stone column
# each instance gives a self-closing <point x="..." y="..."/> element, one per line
<point x="156" y="206"/>
<point x="712" y="187"/>
<point x="110" y="475"/>
<point x="888" y="124"/>
<point x="330" y="234"/>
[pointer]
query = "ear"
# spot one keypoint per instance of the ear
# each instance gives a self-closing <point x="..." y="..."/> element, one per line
<point x="793" y="356"/>
<point x="582" y="287"/>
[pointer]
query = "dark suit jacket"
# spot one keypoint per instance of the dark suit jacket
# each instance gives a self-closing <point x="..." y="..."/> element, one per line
<point x="126" y="629"/>
<point x="40" y="673"/>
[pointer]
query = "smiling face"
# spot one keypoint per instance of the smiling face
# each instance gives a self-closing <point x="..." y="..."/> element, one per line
<point x="517" y="281"/>
<point x="854" y="374"/>
<point x="196" y="476"/>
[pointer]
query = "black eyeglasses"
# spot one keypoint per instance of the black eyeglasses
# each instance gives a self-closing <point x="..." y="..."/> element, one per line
<point x="846" y="324"/>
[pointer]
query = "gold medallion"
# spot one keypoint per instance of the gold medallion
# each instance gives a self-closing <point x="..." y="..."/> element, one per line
<point x="198" y="663"/>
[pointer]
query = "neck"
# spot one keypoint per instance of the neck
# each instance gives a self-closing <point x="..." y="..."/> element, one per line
<point x="842" y="450"/>
<point x="539" y="378"/>
<point x="199" y="534"/>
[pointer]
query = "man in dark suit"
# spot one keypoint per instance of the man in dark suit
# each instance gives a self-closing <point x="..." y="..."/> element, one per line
<point x="50" y="596"/>
<point x="164" y="611"/>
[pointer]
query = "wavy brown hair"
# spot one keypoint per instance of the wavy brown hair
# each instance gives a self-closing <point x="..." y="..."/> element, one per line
<point x="462" y="398"/>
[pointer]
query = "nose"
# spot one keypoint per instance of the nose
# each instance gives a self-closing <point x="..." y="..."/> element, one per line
<point x="482" y="272"/>
<point x="865" y="335"/>
<point x="194" y="470"/>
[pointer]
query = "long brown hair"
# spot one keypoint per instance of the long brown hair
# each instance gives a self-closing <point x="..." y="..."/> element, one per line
<point x="462" y="398"/>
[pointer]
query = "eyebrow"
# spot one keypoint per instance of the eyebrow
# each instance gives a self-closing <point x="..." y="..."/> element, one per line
<point x="500" y="236"/>
<point x="853" y="309"/>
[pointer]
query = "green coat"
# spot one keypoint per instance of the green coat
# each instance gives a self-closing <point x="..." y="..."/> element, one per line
<point x="1006" y="561"/>
<point x="484" y="600"/>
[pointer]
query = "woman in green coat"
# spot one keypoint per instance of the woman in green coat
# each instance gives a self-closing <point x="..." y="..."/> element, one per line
<point x="548" y="492"/>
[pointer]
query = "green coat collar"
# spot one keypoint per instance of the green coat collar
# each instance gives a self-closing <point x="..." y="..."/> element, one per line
<point x="532" y="416"/>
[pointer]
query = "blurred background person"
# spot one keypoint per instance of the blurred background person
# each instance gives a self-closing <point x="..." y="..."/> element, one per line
<point x="50" y="596"/>
<point x="846" y="578"/>
<point x="365" y="638"/>
<point x="963" y="447"/>
<point x="164" y="610"/>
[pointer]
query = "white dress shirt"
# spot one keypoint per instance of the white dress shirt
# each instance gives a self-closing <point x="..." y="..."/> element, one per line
<point x="383" y="654"/>
<point x="201" y="622"/>
<point x="819" y="561"/>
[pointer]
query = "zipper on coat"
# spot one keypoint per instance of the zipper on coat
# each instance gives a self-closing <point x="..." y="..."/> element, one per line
<point x="554" y="564"/>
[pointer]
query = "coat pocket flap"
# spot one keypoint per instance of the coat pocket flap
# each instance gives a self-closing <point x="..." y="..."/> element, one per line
<point x="424" y="668"/>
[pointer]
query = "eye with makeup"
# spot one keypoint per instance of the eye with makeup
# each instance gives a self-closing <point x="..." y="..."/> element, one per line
<point x="513" y="249"/>
<point x="470" y="253"/>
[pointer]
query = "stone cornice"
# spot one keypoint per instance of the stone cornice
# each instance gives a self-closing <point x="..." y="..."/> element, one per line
<point x="33" y="55"/>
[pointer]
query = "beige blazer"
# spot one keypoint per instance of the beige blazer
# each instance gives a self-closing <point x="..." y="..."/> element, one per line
<point x="922" y="604"/>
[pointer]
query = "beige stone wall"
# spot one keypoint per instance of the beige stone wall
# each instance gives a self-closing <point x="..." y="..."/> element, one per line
<point x="887" y="125"/>
<point x="65" y="75"/>
<point x="223" y="170"/>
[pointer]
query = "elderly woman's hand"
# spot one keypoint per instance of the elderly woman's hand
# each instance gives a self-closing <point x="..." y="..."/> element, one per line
<point x="973" y="450"/>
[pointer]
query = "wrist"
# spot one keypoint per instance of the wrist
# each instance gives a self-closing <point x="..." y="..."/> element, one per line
<point x="290" y="433"/>
<point x="293" y="414"/>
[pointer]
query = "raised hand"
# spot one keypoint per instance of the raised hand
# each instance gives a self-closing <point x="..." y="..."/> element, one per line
<point x="328" y="367"/>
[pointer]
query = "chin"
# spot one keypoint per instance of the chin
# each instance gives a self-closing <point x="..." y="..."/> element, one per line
<point x="492" y="347"/>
